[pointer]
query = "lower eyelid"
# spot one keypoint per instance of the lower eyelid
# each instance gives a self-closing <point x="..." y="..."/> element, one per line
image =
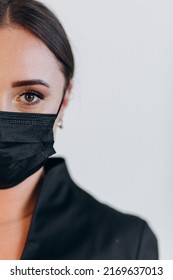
<point x="29" y="105"/>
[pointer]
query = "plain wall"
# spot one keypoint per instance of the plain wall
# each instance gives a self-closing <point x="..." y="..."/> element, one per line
<point x="117" y="136"/>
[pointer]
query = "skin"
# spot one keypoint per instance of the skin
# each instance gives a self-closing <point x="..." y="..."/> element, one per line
<point x="24" y="57"/>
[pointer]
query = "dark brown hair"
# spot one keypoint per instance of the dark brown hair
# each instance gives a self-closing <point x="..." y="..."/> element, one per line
<point x="38" y="19"/>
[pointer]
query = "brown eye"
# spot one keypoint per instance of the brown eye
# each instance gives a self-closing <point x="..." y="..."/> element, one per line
<point x="29" y="97"/>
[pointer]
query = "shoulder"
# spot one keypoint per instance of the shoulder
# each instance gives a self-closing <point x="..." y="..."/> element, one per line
<point x="69" y="223"/>
<point x="125" y="236"/>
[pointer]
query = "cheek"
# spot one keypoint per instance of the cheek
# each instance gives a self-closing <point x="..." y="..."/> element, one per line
<point x="50" y="104"/>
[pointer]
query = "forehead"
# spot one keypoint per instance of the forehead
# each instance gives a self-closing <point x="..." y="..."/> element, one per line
<point x="23" y="54"/>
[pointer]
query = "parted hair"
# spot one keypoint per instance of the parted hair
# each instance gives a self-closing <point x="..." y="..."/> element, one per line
<point x="38" y="19"/>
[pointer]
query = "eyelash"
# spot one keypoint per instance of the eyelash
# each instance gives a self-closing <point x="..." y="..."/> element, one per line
<point x="34" y="93"/>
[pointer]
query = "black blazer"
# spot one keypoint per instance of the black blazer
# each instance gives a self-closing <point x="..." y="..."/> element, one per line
<point x="70" y="224"/>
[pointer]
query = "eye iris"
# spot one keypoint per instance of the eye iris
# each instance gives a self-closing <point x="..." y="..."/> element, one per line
<point x="29" y="97"/>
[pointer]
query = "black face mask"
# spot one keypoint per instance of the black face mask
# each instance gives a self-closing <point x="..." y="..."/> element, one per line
<point x="26" y="142"/>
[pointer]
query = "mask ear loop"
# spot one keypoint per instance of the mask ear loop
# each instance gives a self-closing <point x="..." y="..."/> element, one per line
<point x="61" y="103"/>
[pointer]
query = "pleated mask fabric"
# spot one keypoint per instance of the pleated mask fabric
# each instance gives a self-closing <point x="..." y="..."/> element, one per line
<point x="26" y="142"/>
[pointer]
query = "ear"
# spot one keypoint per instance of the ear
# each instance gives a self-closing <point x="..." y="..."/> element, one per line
<point x="65" y="102"/>
<point x="66" y="97"/>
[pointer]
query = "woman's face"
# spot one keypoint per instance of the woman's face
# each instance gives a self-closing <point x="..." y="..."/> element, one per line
<point x="30" y="77"/>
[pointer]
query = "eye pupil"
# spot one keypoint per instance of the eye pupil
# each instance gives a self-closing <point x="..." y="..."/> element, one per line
<point x="29" y="97"/>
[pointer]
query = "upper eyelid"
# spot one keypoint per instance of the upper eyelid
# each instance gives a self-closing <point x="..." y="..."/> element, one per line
<point x="36" y="92"/>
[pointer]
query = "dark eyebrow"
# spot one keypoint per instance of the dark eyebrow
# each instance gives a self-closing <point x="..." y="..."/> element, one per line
<point x="30" y="83"/>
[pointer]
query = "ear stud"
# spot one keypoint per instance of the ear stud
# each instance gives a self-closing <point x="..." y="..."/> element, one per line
<point x="60" y="123"/>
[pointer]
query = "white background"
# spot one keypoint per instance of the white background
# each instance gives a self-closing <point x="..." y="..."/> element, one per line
<point x="118" y="131"/>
